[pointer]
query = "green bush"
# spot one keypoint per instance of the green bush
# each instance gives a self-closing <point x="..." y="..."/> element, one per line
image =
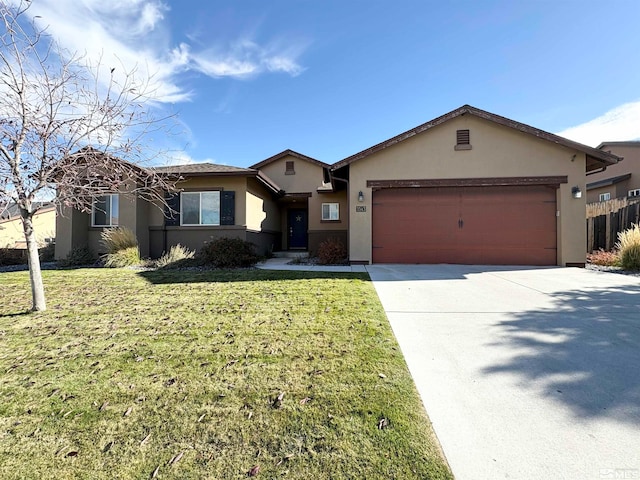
<point x="175" y="257"/>
<point x="122" y="258"/>
<point x="629" y="247"/>
<point x="78" y="257"/>
<point x="229" y="253"/>
<point x="332" y="252"/>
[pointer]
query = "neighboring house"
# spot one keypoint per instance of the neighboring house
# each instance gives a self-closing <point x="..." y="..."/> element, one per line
<point x="12" y="234"/>
<point x="619" y="180"/>
<point x="467" y="187"/>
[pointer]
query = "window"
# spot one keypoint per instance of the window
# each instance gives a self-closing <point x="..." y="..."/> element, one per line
<point x="605" y="196"/>
<point x="200" y="208"/>
<point x="289" y="170"/>
<point x="634" y="193"/>
<point x="330" y="211"/>
<point x="104" y="212"/>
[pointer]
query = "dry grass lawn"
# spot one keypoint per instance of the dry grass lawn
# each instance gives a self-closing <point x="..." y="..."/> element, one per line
<point x="194" y="375"/>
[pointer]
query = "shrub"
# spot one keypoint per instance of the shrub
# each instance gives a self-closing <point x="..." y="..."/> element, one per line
<point x="48" y="252"/>
<point x="116" y="239"/>
<point x="229" y="253"/>
<point x="331" y="252"/>
<point x="12" y="256"/>
<point x="122" y="258"/>
<point x="176" y="257"/>
<point x="629" y="246"/>
<point x="78" y="257"/>
<point x="602" y="257"/>
<point x="122" y="248"/>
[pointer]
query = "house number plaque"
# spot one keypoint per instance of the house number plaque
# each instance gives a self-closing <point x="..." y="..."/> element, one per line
<point x="361" y="208"/>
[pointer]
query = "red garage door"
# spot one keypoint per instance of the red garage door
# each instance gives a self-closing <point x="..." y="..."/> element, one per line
<point x="514" y="225"/>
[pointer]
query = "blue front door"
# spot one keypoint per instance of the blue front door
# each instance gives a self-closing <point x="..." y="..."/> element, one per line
<point x="297" y="228"/>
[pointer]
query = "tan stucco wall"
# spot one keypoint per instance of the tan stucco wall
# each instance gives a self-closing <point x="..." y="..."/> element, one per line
<point x="315" y="211"/>
<point x="262" y="209"/>
<point x="12" y="234"/>
<point x="497" y="151"/>
<point x="308" y="176"/>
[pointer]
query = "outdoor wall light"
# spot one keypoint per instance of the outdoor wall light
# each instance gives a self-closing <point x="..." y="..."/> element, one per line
<point x="576" y="192"/>
<point x="360" y="196"/>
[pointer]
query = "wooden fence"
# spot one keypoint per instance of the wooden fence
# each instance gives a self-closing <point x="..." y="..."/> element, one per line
<point x="606" y="219"/>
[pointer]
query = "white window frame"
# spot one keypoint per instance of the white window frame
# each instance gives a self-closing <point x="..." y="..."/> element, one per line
<point x="200" y="224"/>
<point x="334" y="208"/>
<point x="604" y="197"/>
<point x="110" y="222"/>
<point x="634" y="193"/>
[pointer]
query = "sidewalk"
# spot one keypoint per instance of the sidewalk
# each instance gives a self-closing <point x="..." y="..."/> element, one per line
<point x="283" y="264"/>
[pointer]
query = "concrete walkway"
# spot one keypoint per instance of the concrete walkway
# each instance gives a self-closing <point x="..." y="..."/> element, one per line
<point x="526" y="373"/>
<point x="283" y="264"/>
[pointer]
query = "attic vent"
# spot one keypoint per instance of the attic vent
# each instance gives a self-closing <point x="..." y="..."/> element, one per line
<point x="289" y="170"/>
<point x="463" y="140"/>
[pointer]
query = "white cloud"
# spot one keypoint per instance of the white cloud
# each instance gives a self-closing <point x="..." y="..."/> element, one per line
<point x="246" y="58"/>
<point x="134" y="35"/>
<point x="619" y="124"/>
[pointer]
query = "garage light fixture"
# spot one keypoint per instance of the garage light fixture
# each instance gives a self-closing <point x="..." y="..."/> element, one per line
<point x="360" y="196"/>
<point x="576" y="192"/>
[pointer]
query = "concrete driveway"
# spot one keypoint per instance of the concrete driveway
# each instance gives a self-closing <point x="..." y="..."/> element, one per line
<point x="526" y="373"/>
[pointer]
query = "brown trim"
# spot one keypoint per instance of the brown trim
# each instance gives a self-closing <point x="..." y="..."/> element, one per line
<point x="330" y="221"/>
<point x="468" y="182"/>
<point x="291" y="153"/>
<point x="575" y="264"/>
<point x="202" y="189"/>
<point x="601" y="157"/>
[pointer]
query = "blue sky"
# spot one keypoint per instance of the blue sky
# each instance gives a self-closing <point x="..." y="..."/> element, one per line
<point x="251" y="78"/>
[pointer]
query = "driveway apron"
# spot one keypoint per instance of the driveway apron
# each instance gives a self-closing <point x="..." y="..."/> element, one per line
<point x="526" y="373"/>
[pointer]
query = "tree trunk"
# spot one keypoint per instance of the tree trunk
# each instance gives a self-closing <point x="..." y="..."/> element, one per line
<point x="35" y="274"/>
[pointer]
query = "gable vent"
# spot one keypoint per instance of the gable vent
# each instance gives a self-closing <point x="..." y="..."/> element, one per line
<point x="463" y="140"/>
<point x="289" y="168"/>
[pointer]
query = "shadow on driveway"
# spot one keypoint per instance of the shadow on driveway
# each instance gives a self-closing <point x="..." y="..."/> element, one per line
<point x="584" y="354"/>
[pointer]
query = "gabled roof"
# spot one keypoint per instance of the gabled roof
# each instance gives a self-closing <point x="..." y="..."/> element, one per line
<point x="630" y="143"/>
<point x="608" y="181"/>
<point x="216" y="170"/>
<point x="195" y="169"/>
<point x="291" y="153"/>
<point x="595" y="158"/>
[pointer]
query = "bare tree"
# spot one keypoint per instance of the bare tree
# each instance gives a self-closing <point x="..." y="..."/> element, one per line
<point x="65" y="126"/>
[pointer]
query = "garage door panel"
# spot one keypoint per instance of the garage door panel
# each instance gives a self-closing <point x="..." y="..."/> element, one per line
<point x="481" y="225"/>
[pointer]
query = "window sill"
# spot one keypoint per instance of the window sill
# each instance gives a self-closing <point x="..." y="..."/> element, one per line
<point x="330" y="221"/>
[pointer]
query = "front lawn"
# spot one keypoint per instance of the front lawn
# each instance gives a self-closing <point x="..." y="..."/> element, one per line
<point x="196" y="375"/>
